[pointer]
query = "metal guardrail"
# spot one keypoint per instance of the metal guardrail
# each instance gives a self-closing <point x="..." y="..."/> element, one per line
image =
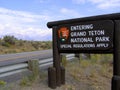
<point x="21" y="67"/>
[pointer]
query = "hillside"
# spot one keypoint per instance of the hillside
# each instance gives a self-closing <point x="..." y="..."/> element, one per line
<point x="10" y="44"/>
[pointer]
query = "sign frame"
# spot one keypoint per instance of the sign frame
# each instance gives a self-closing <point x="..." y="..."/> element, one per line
<point x="115" y="84"/>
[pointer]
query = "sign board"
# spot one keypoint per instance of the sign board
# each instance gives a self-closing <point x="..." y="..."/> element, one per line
<point x="96" y="34"/>
<point x="92" y="36"/>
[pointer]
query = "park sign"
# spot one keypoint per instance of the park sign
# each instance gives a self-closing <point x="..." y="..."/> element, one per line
<point x="91" y="36"/>
<point x="95" y="34"/>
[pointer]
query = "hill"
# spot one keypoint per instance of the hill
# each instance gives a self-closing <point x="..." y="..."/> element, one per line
<point x="10" y="44"/>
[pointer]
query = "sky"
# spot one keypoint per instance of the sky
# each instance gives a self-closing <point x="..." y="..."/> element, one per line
<point x="27" y="19"/>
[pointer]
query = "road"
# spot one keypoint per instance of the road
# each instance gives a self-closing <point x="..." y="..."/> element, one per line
<point x="8" y="59"/>
<point x="15" y="66"/>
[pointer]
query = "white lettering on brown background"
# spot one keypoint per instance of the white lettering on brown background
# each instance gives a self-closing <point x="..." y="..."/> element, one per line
<point x="86" y="36"/>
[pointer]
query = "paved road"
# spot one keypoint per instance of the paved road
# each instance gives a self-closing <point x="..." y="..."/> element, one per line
<point x="8" y="59"/>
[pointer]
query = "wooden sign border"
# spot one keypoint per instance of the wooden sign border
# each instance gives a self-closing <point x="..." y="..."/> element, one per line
<point x="115" y="84"/>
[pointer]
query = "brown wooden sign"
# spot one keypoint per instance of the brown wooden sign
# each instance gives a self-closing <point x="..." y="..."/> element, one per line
<point x="89" y="36"/>
<point x="96" y="34"/>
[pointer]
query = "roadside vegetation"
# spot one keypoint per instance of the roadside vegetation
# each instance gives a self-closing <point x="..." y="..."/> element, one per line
<point x="10" y="44"/>
<point x="93" y="73"/>
<point x="88" y="72"/>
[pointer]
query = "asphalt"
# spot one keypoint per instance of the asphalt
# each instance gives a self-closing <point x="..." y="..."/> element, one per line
<point x="9" y="59"/>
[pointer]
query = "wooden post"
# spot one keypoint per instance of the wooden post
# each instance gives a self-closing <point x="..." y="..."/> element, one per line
<point x="52" y="77"/>
<point x="62" y="75"/>
<point x="116" y="67"/>
<point x="56" y="57"/>
<point x="33" y="65"/>
<point x="63" y="60"/>
<point x="77" y="55"/>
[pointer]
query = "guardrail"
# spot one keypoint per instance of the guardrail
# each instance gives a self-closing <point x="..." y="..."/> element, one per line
<point x="8" y="70"/>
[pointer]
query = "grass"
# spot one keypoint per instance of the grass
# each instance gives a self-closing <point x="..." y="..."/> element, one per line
<point x="28" y="80"/>
<point x="2" y="83"/>
<point x="69" y="87"/>
<point x="3" y="86"/>
<point x="34" y="67"/>
<point x="10" y="44"/>
<point x="93" y="74"/>
<point x="96" y="72"/>
<point x="25" y="47"/>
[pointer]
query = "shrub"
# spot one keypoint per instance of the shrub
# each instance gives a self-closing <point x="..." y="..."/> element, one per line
<point x="2" y="83"/>
<point x="35" y="45"/>
<point x="25" y="82"/>
<point x="6" y="44"/>
<point x="9" y="39"/>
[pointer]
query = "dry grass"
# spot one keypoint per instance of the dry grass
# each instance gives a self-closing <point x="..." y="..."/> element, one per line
<point x="95" y="73"/>
<point x="10" y="44"/>
<point x="25" y="46"/>
<point x="80" y="75"/>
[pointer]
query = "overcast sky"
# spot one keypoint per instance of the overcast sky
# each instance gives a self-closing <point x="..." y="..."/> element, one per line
<point x="27" y="19"/>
